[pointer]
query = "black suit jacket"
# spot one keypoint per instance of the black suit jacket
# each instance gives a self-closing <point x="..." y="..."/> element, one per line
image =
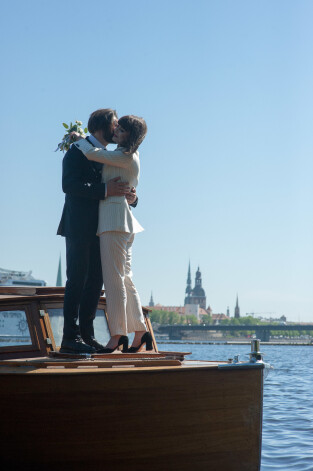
<point x="81" y="183"/>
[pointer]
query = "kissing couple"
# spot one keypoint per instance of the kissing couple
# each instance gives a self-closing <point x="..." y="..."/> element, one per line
<point x="99" y="230"/>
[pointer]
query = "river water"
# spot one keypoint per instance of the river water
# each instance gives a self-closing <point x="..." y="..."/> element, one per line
<point x="287" y="442"/>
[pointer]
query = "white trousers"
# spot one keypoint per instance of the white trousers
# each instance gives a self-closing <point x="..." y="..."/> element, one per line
<point x="123" y="303"/>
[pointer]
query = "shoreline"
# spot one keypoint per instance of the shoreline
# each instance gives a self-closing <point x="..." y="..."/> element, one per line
<point x="230" y="342"/>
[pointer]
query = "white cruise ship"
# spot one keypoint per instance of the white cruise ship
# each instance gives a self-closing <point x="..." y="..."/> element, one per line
<point x="19" y="278"/>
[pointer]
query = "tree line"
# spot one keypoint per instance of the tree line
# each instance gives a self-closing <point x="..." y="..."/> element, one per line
<point x="172" y="318"/>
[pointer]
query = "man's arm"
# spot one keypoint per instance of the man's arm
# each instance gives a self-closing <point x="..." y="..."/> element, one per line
<point x="72" y="184"/>
<point x="71" y="180"/>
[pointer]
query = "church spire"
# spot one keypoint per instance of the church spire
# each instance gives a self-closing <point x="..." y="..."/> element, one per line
<point x="237" y="309"/>
<point x="198" y="280"/>
<point x="59" y="275"/>
<point x="151" y="303"/>
<point x="188" y="288"/>
<point x="197" y="294"/>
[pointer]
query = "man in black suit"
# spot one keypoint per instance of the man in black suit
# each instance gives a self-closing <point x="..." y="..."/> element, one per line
<point x="81" y="183"/>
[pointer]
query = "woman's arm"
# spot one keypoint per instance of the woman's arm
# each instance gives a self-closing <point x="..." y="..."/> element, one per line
<point x="115" y="158"/>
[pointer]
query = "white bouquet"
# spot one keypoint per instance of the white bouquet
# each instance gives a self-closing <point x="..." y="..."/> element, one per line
<point x="67" y="140"/>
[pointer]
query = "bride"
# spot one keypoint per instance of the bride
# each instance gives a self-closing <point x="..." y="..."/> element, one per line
<point x="117" y="228"/>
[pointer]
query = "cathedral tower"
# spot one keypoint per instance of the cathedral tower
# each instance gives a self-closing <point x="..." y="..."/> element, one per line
<point x="59" y="275"/>
<point x="151" y="303"/>
<point x="237" y="309"/>
<point x="188" y="287"/>
<point x="197" y="294"/>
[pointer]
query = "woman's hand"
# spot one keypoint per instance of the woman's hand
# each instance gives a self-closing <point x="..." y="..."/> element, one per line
<point x="75" y="136"/>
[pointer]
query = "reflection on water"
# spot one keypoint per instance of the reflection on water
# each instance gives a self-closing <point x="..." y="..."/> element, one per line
<point x="288" y="403"/>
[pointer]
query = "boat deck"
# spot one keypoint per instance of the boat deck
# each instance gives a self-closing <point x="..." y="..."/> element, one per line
<point x="149" y="410"/>
<point x="162" y="361"/>
<point x="62" y="363"/>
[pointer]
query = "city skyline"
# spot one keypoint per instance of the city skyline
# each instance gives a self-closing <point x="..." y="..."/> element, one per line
<point x="236" y="312"/>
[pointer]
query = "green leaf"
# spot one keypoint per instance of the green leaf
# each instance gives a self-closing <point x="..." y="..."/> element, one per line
<point x="65" y="125"/>
<point x="85" y="130"/>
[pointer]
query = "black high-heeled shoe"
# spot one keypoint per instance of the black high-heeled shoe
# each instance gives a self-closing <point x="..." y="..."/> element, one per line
<point x="122" y="341"/>
<point x="145" y="339"/>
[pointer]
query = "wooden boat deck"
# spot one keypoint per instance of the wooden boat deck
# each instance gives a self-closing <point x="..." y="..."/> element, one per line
<point x="59" y="364"/>
<point x="149" y="410"/>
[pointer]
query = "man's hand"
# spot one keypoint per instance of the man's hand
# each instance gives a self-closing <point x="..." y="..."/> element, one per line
<point x="117" y="188"/>
<point x="131" y="196"/>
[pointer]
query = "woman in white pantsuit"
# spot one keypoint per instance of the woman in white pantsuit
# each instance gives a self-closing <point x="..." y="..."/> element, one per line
<point x="116" y="228"/>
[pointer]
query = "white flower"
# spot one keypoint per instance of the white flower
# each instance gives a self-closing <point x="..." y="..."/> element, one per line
<point x="66" y="142"/>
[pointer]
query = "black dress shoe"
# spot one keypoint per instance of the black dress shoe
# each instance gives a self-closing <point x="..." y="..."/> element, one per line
<point x="145" y="339"/>
<point x="75" y="346"/>
<point x="122" y="342"/>
<point x="92" y="342"/>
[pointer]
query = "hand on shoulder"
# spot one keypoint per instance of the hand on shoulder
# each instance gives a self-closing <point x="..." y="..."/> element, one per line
<point x="75" y="136"/>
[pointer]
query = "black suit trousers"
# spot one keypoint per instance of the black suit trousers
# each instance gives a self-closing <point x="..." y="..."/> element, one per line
<point x="83" y="286"/>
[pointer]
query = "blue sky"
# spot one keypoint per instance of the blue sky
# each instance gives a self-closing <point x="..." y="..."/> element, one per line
<point x="226" y="180"/>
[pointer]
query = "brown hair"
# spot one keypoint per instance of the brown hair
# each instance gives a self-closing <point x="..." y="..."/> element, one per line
<point x="101" y="120"/>
<point x="137" y="129"/>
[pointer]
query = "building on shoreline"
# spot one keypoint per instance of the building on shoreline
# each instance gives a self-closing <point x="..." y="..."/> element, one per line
<point x="195" y="302"/>
<point x="195" y="295"/>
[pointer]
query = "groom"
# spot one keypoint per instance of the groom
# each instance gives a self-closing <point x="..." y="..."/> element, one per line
<point x="81" y="183"/>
